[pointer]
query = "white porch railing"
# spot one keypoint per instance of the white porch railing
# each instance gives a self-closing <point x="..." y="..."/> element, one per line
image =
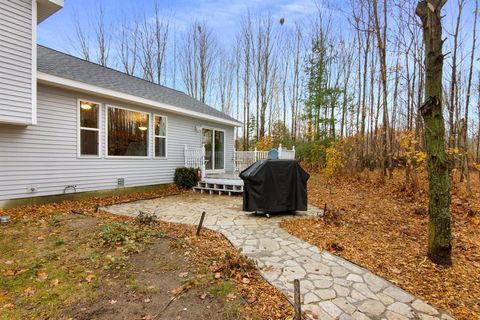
<point x="243" y="159"/>
<point x="195" y="158"/>
<point x="285" y="153"/>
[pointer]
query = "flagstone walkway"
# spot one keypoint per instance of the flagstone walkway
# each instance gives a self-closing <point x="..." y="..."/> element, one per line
<point x="331" y="287"/>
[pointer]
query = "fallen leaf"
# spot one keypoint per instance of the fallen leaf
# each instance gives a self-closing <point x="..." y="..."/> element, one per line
<point x="147" y="300"/>
<point x="19" y="272"/>
<point x="177" y="291"/>
<point x="54" y="283"/>
<point x="218" y="275"/>
<point x="29" y="292"/>
<point x="9" y="306"/>
<point x="231" y="296"/>
<point x="42" y="275"/>
<point x="9" y="273"/>
<point x="245" y="280"/>
<point x="183" y="274"/>
<point x="113" y="301"/>
<point x="89" y="278"/>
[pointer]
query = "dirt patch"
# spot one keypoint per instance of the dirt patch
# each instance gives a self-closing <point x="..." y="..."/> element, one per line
<point x="383" y="227"/>
<point x="145" y="290"/>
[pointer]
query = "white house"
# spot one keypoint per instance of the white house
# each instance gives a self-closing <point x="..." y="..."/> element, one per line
<point x="68" y="125"/>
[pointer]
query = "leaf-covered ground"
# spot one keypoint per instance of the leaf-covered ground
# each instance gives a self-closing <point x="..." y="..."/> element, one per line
<point x="65" y="260"/>
<point x="383" y="227"/>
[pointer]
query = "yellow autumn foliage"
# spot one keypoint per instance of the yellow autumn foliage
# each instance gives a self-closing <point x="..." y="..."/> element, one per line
<point x="334" y="160"/>
<point x="414" y="159"/>
<point x="265" y="143"/>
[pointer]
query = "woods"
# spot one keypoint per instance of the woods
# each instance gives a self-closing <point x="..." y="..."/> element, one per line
<point x="355" y="87"/>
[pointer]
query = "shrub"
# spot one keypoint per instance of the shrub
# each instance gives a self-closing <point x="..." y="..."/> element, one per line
<point x="312" y="153"/>
<point x="146" y="218"/>
<point x="115" y="233"/>
<point x="186" y="177"/>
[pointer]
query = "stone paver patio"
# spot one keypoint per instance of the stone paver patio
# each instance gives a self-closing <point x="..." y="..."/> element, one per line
<point x="332" y="288"/>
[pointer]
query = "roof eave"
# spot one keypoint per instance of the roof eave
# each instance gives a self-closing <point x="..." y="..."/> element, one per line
<point x="46" y="8"/>
<point x="61" y="82"/>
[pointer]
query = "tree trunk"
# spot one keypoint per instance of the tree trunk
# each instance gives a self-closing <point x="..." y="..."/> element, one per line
<point x="439" y="225"/>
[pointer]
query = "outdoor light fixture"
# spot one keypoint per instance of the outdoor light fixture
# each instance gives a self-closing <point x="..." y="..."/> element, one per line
<point x="85" y="106"/>
<point x="143" y="128"/>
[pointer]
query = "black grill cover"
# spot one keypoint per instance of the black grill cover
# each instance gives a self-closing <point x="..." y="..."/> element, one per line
<point x="275" y="186"/>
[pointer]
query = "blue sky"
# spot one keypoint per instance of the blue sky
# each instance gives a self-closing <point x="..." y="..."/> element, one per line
<point x="224" y="16"/>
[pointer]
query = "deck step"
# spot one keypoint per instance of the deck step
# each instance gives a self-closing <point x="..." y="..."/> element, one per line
<point x="219" y="188"/>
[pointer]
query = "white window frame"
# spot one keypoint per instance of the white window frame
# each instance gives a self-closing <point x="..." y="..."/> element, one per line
<point x="98" y="129"/>
<point x="155" y="136"/>
<point x="148" y="156"/>
<point x="213" y="147"/>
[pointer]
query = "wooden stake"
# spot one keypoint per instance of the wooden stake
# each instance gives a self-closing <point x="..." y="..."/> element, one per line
<point x="297" y="302"/>
<point x="201" y="223"/>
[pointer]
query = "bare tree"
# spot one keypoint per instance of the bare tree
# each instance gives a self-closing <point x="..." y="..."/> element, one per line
<point x="262" y="67"/>
<point x="103" y="38"/>
<point x="465" y="168"/>
<point x="160" y="34"/>
<point x="296" y="81"/>
<point x="82" y="39"/>
<point x="381" y="32"/>
<point x="146" y="38"/>
<point x="452" y="106"/>
<point x="198" y="54"/>
<point x="226" y="70"/>
<point x="129" y="47"/>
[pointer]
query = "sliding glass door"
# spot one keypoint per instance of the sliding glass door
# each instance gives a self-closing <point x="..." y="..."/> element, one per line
<point x="214" y="141"/>
<point x="219" y="145"/>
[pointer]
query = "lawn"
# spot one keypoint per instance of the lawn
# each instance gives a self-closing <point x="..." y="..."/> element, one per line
<point x="66" y="260"/>
<point x="383" y="227"/>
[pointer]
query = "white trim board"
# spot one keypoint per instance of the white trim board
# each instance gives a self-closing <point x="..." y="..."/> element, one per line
<point x="88" y="88"/>
<point x="34" y="62"/>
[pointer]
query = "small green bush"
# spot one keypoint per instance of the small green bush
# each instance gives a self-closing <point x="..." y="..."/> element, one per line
<point x="115" y="233"/>
<point x="186" y="177"/>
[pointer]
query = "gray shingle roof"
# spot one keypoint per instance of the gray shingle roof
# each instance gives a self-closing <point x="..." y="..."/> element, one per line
<point x="59" y="64"/>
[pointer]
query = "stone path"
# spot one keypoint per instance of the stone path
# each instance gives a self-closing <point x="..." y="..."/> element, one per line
<point x="332" y="288"/>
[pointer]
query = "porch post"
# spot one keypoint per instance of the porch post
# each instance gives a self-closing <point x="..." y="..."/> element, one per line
<point x="280" y="151"/>
<point x="185" y="156"/>
<point x="235" y="160"/>
<point x="202" y="169"/>
<point x="293" y="148"/>
<point x="255" y="154"/>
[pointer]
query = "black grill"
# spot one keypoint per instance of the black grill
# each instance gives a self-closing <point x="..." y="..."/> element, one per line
<point x="273" y="186"/>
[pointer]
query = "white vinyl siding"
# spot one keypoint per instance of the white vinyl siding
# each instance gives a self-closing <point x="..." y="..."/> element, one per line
<point x="45" y="156"/>
<point x="17" y="61"/>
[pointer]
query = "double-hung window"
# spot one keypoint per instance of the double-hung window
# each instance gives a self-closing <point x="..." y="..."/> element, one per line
<point x="89" y="129"/>
<point x="160" y="136"/>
